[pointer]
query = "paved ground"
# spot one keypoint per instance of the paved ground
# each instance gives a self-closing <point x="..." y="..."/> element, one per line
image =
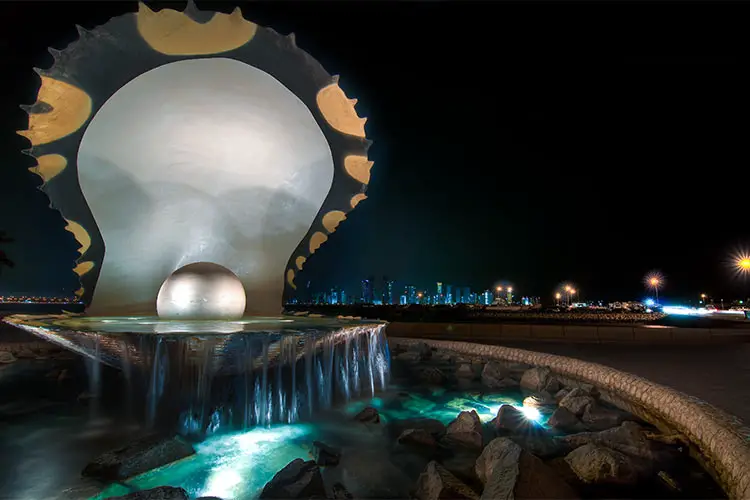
<point x="717" y="373"/>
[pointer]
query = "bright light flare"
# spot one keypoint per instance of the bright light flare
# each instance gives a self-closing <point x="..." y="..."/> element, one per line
<point x="530" y="413"/>
<point x="654" y="280"/>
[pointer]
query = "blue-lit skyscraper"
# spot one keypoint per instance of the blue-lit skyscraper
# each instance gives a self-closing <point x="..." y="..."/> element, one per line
<point x="388" y="297"/>
<point x="411" y="294"/>
<point x="368" y="294"/>
<point x="449" y="294"/>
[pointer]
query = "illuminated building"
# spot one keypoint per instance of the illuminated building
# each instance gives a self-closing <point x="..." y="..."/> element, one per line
<point x="368" y="293"/>
<point x="152" y="177"/>
<point x="487" y="297"/>
<point x="388" y="297"/>
<point x="449" y="294"/>
<point x="411" y="294"/>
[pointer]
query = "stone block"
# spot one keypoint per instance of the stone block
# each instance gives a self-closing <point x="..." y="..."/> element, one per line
<point x="547" y="332"/>
<point x="615" y="333"/>
<point x="581" y="333"/>
<point x="652" y="335"/>
<point x="511" y="331"/>
<point x="691" y="335"/>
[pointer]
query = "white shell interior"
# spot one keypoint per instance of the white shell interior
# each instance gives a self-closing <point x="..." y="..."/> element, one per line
<point x="202" y="160"/>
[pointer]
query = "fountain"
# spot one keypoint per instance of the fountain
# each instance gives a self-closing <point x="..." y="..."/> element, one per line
<point x="198" y="170"/>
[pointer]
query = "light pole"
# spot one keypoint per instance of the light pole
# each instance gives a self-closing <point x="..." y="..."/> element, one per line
<point x="557" y="298"/>
<point x="510" y="295"/>
<point x="655" y="282"/>
<point x="743" y="268"/>
<point x="703" y="297"/>
<point x="572" y="292"/>
<point x="568" y="288"/>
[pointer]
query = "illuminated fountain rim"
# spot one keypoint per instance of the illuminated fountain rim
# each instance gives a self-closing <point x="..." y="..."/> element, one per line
<point x="153" y="325"/>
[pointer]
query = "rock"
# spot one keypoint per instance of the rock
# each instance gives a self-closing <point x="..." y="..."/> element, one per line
<point x="497" y="468"/>
<point x="368" y="416"/>
<point x="464" y="432"/>
<point x="458" y="440"/>
<point x="561" y="393"/>
<point x="494" y="375"/>
<point x="462" y="464"/>
<point x="465" y="370"/>
<point x="509" y="418"/>
<point x="6" y="357"/>
<point x="339" y="492"/>
<point x="369" y="472"/>
<point x="553" y="385"/>
<point x="467" y="421"/>
<point x="599" y="465"/>
<point x="159" y="493"/>
<point x="299" y="479"/>
<point x="325" y="455"/>
<point x="25" y="353"/>
<point x="541" y="444"/>
<point x="629" y="438"/>
<point x="410" y="357"/>
<point x="668" y="480"/>
<point x="138" y="457"/>
<point x="417" y="437"/>
<point x="434" y="427"/>
<point x="536" y="480"/>
<point x="565" y="420"/>
<point x="436" y="482"/>
<point x="540" y="400"/>
<point x="432" y="375"/>
<point x="422" y="348"/>
<point x="536" y="379"/>
<point x="577" y="401"/>
<point x="598" y="418"/>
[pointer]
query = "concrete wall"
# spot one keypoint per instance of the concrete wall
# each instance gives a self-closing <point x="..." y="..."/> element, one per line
<point x="567" y="333"/>
<point x="722" y="440"/>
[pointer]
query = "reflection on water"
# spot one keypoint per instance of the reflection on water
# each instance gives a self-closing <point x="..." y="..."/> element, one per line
<point x="237" y="465"/>
<point x="200" y="380"/>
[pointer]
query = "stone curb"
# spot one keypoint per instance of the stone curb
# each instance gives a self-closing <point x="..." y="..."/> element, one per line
<point x="636" y="334"/>
<point x="722" y="439"/>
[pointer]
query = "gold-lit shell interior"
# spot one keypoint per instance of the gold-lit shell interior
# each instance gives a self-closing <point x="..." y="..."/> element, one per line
<point x="70" y="107"/>
<point x="174" y="33"/>
<point x="339" y="111"/>
<point x="48" y="166"/>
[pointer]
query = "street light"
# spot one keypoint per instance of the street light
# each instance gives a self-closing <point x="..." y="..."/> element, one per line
<point x="743" y="264"/>
<point x="572" y="292"/>
<point x="557" y="298"/>
<point x="655" y="280"/>
<point x="703" y="296"/>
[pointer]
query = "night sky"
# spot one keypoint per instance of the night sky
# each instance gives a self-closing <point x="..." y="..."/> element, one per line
<point x="532" y="143"/>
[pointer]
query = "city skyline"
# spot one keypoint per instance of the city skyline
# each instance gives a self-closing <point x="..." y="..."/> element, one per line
<point x="566" y="160"/>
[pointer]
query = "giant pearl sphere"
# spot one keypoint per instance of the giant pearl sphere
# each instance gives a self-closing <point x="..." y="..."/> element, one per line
<point x="201" y="290"/>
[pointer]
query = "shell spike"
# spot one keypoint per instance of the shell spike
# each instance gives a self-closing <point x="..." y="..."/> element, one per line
<point x="292" y="38"/>
<point x="191" y="9"/>
<point x="335" y="78"/>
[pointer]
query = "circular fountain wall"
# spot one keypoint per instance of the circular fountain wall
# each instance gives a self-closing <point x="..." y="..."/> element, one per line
<point x="201" y="290"/>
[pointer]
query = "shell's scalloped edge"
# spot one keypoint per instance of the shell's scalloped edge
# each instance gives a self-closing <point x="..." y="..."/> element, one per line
<point x="722" y="439"/>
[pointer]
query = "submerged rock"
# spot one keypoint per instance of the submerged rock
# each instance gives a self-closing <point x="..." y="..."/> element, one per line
<point x="432" y="375"/>
<point x="368" y="416"/>
<point x="434" y="427"/>
<point x="422" y="349"/>
<point x="599" y="465"/>
<point x="339" y="492"/>
<point x="436" y="482"/>
<point x="417" y="437"/>
<point x="325" y="455"/>
<point x="158" y="493"/>
<point x="6" y="357"/>
<point x="299" y="479"/>
<point x="410" y="357"/>
<point x="465" y="371"/>
<point x="541" y="444"/>
<point x="138" y="457"/>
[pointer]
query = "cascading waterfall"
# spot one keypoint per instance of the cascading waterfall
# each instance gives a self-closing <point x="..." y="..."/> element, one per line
<point x="206" y="383"/>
